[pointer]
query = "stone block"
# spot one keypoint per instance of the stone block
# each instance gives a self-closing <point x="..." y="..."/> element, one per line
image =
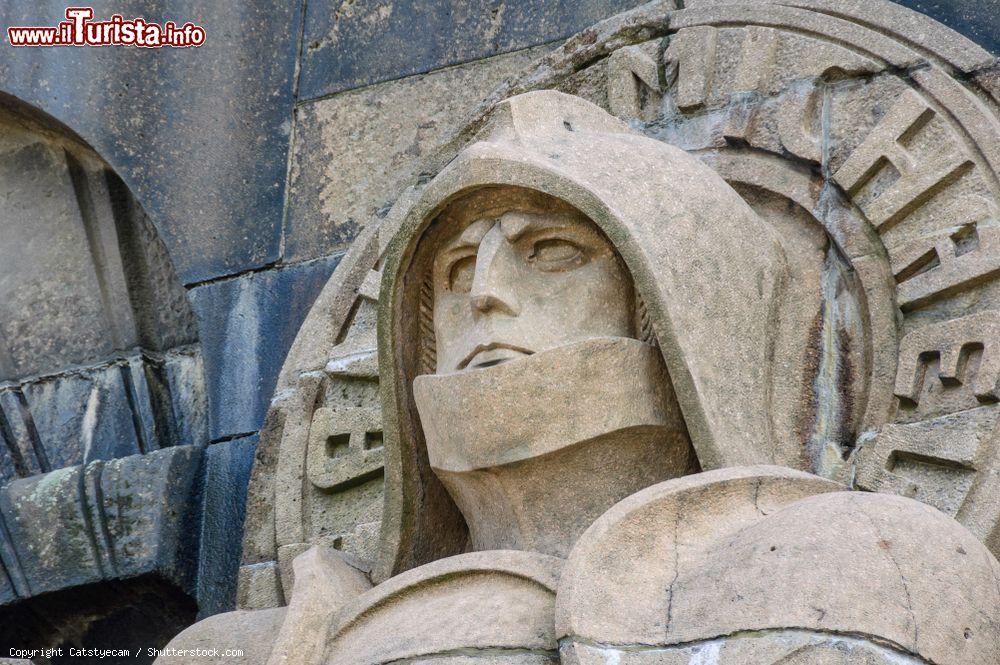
<point x="105" y="520"/>
<point x="259" y="586"/>
<point x="182" y="376"/>
<point x="200" y="135"/>
<point x="856" y="107"/>
<point x="51" y="312"/>
<point x="247" y="325"/>
<point x="354" y="150"/>
<point x="61" y="557"/>
<point x="23" y="449"/>
<point x="356" y="44"/>
<point x="8" y="465"/>
<point x="84" y="416"/>
<point x="226" y="476"/>
<point x="135" y="405"/>
<point x="144" y="501"/>
<point x="168" y="398"/>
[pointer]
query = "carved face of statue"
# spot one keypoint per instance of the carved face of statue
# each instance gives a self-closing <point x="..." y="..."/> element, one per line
<point x="517" y="275"/>
<point x="524" y="282"/>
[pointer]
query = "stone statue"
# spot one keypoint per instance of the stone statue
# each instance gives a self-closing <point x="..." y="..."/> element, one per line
<point x="574" y="321"/>
<point x="515" y="274"/>
<point x="602" y="382"/>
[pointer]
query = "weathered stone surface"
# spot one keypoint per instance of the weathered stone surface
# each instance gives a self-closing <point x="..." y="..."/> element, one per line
<point x="83" y="417"/>
<point x="890" y="22"/>
<point x="718" y="66"/>
<point x="226" y="476"/>
<point x="100" y="375"/>
<point x="338" y="53"/>
<point x="345" y="447"/>
<point x="181" y="376"/>
<point x="259" y="586"/>
<point x="776" y="555"/>
<point x="501" y="601"/>
<point x="860" y="156"/>
<point x="353" y="151"/>
<point x="767" y="648"/>
<point x="955" y="383"/>
<point x="324" y="583"/>
<point x="988" y="80"/>
<point x="117" y="519"/>
<point x="88" y="277"/>
<point x="934" y="461"/>
<point x="204" y="152"/>
<point x="972" y="18"/>
<point x="136" y="405"/>
<point x="48" y="270"/>
<point x="250" y="633"/>
<point x="246" y="326"/>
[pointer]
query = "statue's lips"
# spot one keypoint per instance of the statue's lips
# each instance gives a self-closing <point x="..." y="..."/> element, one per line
<point x="494" y="353"/>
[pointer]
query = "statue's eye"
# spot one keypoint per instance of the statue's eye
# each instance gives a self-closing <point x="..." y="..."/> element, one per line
<point x="556" y="254"/>
<point x="461" y="274"/>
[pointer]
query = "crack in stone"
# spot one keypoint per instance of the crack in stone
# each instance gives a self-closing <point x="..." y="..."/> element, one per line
<point x="677" y="571"/>
<point x="899" y="571"/>
<point x="756" y="497"/>
<point x="465" y="652"/>
<point x="896" y="650"/>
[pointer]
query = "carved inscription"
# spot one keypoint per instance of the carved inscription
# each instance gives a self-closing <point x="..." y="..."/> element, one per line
<point x="933" y="461"/>
<point x="632" y="74"/>
<point x="967" y="359"/>
<point x="885" y="147"/>
<point x="693" y="49"/>
<point x="798" y="120"/>
<point x="758" y="52"/>
<point x="345" y="440"/>
<point x="345" y="447"/>
<point x="949" y="261"/>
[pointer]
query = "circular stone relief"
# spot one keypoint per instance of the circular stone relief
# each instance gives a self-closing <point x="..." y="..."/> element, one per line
<point x="866" y="135"/>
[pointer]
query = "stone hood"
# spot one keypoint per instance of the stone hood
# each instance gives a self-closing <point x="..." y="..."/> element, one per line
<point x="710" y="271"/>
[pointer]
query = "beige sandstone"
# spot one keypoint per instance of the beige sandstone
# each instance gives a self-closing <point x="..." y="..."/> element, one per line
<point x="496" y="601"/>
<point x="572" y="314"/>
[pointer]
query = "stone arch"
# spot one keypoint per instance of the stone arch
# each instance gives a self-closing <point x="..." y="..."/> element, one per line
<point x="102" y="405"/>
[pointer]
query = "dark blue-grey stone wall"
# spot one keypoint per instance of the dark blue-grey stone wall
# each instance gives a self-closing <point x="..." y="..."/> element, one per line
<point x="979" y="20"/>
<point x="203" y="138"/>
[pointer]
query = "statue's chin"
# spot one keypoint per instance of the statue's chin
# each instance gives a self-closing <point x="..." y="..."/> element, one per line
<point x="535" y="448"/>
<point x="557" y="397"/>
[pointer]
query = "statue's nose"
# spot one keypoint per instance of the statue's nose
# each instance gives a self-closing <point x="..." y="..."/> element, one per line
<point x="492" y="286"/>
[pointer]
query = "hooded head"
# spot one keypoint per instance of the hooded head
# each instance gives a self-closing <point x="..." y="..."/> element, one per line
<point x="566" y="297"/>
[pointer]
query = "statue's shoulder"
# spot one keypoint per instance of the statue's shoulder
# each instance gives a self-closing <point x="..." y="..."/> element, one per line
<point x="784" y="562"/>
<point x="497" y="603"/>
<point x="219" y="638"/>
